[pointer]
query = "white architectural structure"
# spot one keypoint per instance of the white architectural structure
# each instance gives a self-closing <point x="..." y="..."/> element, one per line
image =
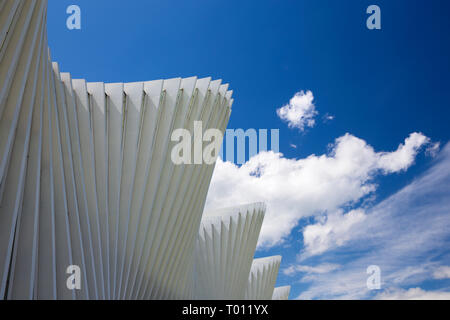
<point x="225" y="248"/>
<point x="86" y="180"/>
<point x="262" y="279"/>
<point x="281" y="293"/>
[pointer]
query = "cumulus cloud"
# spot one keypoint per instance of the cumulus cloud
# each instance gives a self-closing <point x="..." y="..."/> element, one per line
<point x="413" y="294"/>
<point x="300" y="112"/>
<point x="311" y="187"/>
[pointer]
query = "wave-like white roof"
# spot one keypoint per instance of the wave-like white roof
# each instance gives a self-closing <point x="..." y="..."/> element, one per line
<point x="225" y="248"/>
<point x="281" y="293"/>
<point x="262" y="279"/>
<point x="86" y="175"/>
<point x="87" y="179"/>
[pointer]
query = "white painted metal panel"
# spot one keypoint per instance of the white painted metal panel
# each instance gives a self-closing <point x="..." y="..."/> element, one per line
<point x="224" y="253"/>
<point x="281" y="293"/>
<point x="262" y="279"/>
<point x="86" y="179"/>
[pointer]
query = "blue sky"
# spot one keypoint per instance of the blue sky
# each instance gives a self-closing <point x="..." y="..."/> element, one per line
<point x="380" y="86"/>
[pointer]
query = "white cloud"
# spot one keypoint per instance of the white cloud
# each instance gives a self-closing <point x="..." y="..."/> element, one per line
<point x="328" y="117"/>
<point x="319" y="269"/>
<point x="413" y="294"/>
<point x="433" y="149"/>
<point x="314" y="186"/>
<point x="405" y="154"/>
<point x="406" y="235"/>
<point x="335" y="232"/>
<point x="300" y="112"/>
<point x="442" y="272"/>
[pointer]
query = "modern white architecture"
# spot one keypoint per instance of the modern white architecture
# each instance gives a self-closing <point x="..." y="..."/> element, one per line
<point x="226" y="244"/>
<point x="281" y="293"/>
<point x="86" y="180"/>
<point x="262" y="278"/>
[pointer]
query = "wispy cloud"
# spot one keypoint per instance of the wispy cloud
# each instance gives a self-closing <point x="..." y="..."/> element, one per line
<point x="406" y="235"/>
<point x="433" y="149"/>
<point x="442" y="272"/>
<point x="413" y="294"/>
<point x="328" y="117"/>
<point x="320" y="269"/>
